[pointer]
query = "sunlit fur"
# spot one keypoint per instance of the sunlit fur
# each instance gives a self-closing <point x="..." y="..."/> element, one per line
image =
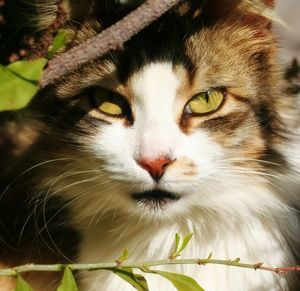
<point x="237" y="169"/>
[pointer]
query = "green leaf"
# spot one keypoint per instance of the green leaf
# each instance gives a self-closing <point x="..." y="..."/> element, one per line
<point x="185" y="242"/>
<point x="237" y="260"/>
<point x="177" y="240"/>
<point x="68" y="282"/>
<point x="22" y="285"/>
<point x="180" y="281"/>
<point x="135" y="280"/>
<point x="59" y="41"/>
<point x="15" y="91"/>
<point x="209" y="256"/>
<point x="19" y="83"/>
<point x="124" y="256"/>
<point x="29" y="70"/>
<point x="179" y="249"/>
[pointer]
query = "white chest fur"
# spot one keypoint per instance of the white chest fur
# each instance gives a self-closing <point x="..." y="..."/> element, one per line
<point x="253" y="242"/>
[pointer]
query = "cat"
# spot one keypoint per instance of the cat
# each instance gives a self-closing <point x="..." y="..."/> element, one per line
<point x="187" y="129"/>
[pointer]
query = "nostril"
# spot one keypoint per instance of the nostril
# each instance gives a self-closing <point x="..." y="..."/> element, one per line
<point x="155" y="167"/>
<point x="165" y="165"/>
<point x="145" y="165"/>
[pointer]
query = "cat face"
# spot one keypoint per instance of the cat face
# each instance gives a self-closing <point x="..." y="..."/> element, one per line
<point x="175" y="124"/>
<point x="154" y="156"/>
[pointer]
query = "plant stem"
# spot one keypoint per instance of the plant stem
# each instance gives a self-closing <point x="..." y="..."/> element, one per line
<point x="139" y="265"/>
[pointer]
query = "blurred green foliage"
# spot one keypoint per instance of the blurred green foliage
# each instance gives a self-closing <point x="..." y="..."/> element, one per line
<point x="19" y="83"/>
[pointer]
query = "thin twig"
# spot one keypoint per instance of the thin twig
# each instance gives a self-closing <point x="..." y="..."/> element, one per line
<point x="140" y="265"/>
<point x="109" y="39"/>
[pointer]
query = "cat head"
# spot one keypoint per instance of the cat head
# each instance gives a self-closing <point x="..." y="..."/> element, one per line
<point x="184" y="119"/>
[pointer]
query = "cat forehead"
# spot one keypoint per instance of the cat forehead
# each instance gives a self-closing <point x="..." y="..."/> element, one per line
<point x="219" y="55"/>
<point x="155" y="81"/>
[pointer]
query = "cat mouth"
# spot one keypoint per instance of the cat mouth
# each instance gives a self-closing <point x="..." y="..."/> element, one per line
<point x="155" y="199"/>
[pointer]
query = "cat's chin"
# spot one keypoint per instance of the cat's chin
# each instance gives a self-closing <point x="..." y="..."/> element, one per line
<point x="155" y="200"/>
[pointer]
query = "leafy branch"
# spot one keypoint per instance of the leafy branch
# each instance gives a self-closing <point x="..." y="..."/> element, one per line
<point x="141" y="265"/>
<point x="125" y="269"/>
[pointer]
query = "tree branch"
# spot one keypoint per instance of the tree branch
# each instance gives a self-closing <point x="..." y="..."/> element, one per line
<point x="140" y="265"/>
<point x="109" y="39"/>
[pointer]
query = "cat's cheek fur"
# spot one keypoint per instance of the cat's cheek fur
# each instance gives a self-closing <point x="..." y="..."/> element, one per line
<point x="200" y="174"/>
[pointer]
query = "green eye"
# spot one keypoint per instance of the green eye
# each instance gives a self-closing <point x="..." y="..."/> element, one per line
<point x="110" y="103"/>
<point x="205" y="102"/>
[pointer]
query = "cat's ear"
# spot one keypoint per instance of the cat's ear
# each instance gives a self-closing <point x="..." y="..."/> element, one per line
<point x="269" y="3"/>
<point x="257" y="13"/>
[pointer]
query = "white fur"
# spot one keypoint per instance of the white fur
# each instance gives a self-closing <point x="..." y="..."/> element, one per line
<point x="231" y="214"/>
<point x="252" y="242"/>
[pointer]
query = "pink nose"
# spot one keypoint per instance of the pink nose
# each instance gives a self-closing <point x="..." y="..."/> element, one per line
<point x="156" y="168"/>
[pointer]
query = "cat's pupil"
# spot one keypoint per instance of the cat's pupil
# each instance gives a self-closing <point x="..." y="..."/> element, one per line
<point x="206" y="96"/>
